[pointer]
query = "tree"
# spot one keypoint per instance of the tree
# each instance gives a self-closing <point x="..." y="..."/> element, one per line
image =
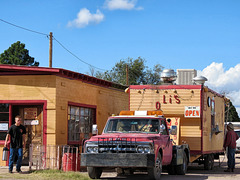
<point x="231" y="114"/>
<point x="17" y="55"/>
<point x="153" y="76"/>
<point x="138" y="72"/>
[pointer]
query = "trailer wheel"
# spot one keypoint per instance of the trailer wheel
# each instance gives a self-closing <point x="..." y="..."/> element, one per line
<point x="182" y="169"/>
<point x="155" y="172"/>
<point x="209" y="162"/>
<point x="94" y="172"/>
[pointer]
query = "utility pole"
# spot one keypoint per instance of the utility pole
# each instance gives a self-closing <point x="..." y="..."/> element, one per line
<point x="50" y="49"/>
<point x="126" y="74"/>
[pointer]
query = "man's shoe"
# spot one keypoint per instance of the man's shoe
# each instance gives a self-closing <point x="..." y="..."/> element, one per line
<point x="10" y="171"/>
<point x="19" y="171"/>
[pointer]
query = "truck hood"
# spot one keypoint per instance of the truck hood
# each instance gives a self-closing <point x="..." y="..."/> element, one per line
<point x="128" y="136"/>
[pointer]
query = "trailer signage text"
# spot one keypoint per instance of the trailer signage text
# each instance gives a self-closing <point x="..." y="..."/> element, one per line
<point x="192" y="111"/>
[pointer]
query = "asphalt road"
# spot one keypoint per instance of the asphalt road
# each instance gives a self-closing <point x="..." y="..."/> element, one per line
<point x="194" y="172"/>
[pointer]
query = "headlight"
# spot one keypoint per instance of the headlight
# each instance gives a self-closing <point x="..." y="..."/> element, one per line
<point x="140" y="150"/>
<point x="147" y="150"/>
<point x="144" y="149"/>
<point x="92" y="149"/>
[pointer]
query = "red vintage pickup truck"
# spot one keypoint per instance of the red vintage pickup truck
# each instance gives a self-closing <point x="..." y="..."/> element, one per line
<point x="135" y="141"/>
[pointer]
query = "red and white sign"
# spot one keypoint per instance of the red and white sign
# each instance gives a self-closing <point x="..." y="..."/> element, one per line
<point x="192" y="111"/>
<point x="31" y="122"/>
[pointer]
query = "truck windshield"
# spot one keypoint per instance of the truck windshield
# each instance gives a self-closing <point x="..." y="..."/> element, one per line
<point x="132" y="126"/>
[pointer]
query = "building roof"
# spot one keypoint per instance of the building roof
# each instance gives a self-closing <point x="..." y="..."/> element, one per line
<point x="14" y="70"/>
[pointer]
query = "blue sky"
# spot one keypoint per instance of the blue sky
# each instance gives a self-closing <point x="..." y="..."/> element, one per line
<point x="178" y="34"/>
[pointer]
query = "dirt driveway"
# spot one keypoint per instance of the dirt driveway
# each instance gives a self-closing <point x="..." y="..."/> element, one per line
<point x="194" y="172"/>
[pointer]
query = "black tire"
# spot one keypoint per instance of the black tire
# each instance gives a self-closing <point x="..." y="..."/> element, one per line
<point x="154" y="173"/>
<point x="171" y="169"/>
<point x="182" y="169"/>
<point x="212" y="162"/>
<point x="94" y="172"/>
<point x="209" y="162"/>
<point x="119" y="171"/>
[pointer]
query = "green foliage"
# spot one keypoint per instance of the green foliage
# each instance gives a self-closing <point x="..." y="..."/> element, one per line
<point x="17" y="55"/>
<point x="60" y="175"/>
<point x="138" y="72"/>
<point x="231" y="114"/>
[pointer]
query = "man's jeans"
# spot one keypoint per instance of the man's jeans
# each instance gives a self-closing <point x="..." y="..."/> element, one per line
<point x="13" y="153"/>
<point x="231" y="158"/>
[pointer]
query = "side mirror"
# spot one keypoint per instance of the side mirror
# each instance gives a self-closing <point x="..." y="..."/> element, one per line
<point x="162" y="127"/>
<point x="94" y="129"/>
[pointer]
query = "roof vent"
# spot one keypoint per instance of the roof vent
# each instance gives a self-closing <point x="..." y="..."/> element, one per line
<point x="168" y="76"/>
<point x="199" y="80"/>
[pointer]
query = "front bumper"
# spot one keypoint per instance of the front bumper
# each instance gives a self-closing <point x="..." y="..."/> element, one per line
<point x="117" y="160"/>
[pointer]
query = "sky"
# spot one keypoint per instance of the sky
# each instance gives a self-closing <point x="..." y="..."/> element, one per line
<point x="178" y="34"/>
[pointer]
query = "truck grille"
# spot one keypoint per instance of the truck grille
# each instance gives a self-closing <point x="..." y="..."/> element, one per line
<point x="117" y="145"/>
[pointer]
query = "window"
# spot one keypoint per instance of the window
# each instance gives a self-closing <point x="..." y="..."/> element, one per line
<point x="4" y="120"/>
<point x="132" y="125"/>
<point x="80" y="120"/>
<point x="213" y="113"/>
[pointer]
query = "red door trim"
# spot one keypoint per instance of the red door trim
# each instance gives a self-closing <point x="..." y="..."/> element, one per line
<point x="30" y="102"/>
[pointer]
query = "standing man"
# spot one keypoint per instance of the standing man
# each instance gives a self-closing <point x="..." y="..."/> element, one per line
<point x="230" y="143"/>
<point x="17" y="134"/>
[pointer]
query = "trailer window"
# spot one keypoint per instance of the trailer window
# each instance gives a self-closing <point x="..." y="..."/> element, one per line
<point x="212" y="113"/>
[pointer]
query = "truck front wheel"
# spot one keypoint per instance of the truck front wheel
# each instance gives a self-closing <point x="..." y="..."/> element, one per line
<point x="155" y="172"/>
<point x="94" y="172"/>
<point x="182" y="169"/>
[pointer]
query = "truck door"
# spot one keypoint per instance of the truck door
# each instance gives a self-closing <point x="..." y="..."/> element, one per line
<point x="167" y="144"/>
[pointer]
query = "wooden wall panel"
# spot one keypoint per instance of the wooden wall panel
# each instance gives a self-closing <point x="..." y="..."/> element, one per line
<point x="146" y="99"/>
<point x="173" y="102"/>
<point x="212" y="141"/>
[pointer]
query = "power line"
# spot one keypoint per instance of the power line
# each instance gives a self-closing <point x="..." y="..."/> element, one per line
<point x="77" y="56"/>
<point x="26" y="29"/>
<point x="23" y="28"/>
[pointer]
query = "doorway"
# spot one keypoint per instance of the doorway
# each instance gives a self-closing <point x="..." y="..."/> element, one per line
<point x="32" y="119"/>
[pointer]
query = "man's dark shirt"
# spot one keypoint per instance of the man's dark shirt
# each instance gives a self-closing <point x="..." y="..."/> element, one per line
<point x="230" y="139"/>
<point x="16" y="133"/>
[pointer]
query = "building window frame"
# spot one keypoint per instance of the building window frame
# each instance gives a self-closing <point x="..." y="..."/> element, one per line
<point x="4" y="111"/>
<point x="80" y="118"/>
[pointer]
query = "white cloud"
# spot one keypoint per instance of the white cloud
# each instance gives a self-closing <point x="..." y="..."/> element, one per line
<point x="84" y="18"/>
<point x="221" y="80"/>
<point x="121" y="4"/>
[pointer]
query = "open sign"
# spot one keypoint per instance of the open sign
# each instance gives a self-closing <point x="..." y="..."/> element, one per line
<point x="192" y="111"/>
